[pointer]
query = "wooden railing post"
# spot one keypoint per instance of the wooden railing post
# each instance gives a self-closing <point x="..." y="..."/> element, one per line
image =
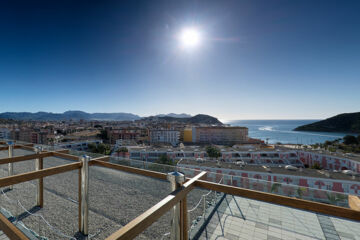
<point x="40" y="182"/>
<point x="11" y="165"/>
<point x="177" y="222"/>
<point x="184" y="219"/>
<point x="84" y="195"/>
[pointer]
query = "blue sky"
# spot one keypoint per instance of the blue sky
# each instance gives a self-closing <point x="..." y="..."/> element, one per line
<point x="257" y="59"/>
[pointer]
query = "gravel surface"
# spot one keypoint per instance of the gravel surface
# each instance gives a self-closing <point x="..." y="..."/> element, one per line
<point x="115" y="199"/>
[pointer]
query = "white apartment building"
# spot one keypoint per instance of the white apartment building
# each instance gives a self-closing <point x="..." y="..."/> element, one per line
<point x="78" y="145"/>
<point x="164" y="136"/>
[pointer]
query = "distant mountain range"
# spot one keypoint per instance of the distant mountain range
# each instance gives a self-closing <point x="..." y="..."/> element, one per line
<point x="77" y="115"/>
<point x="346" y="122"/>
<point x="200" y="118"/>
<point x="174" y="115"/>
<point x="74" y="115"/>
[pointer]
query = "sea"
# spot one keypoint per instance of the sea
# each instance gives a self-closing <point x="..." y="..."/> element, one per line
<point x="274" y="131"/>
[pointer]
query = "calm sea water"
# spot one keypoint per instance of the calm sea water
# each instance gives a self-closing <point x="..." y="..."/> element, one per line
<point x="282" y="131"/>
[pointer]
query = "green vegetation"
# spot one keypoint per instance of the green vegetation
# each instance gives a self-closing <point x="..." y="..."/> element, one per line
<point x="213" y="152"/>
<point x="300" y="191"/>
<point x="200" y="118"/>
<point x="350" y="139"/>
<point x="164" y="164"/>
<point x="346" y="122"/>
<point x="122" y="150"/>
<point x="164" y="159"/>
<point x="316" y="166"/>
<point x="100" y="148"/>
<point x="348" y="144"/>
<point x="336" y="198"/>
<point x="275" y="187"/>
<point x="103" y="135"/>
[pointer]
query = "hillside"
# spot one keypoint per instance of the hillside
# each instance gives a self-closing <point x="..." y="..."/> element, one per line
<point x="197" y="119"/>
<point x="175" y="115"/>
<point x="74" y="115"/>
<point x="346" y="122"/>
<point x="77" y="115"/>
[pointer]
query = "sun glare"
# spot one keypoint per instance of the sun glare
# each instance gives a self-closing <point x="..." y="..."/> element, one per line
<point x="190" y="38"/>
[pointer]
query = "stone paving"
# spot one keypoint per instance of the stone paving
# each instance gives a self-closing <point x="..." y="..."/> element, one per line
<point x="241" y="218"/>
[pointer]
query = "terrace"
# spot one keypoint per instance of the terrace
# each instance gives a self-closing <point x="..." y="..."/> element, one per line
<point x="56" y="194"/>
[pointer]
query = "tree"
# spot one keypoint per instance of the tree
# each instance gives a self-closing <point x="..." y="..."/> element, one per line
<point x="122" y="149"/>
<point x="213" y="152"/>
<point x="350" y="139"/>
<point x="101" y="148"/>
<point x="165" y="159"/>
<point x="92" y="147"/>
<point x="316" y="166"/>
<point x="103" y="135"/>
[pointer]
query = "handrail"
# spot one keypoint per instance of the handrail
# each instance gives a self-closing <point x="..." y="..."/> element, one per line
<point x="253" y="194"/>
<point x="24" y="177"/>
<point x="144" y="172"/>
<point x="25" y="157"/>
<point x="29" y="147"/>
<point x="354" y="202"/>
<point x="25" y="146"/>
<point x="282" y="200"/>
<point x="102" y="159"/>
<point x="139" y="224"/>
<point x="4" y="148"/>
<point x="66" y="156"/>
<point x="10" y="229"/>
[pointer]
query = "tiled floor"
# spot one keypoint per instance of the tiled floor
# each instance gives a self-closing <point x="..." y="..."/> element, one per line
<point x="242" y="218"/>
<point x="3" y="236"/>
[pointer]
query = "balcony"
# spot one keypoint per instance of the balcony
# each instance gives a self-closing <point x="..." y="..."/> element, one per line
<point x="132" y="199"/>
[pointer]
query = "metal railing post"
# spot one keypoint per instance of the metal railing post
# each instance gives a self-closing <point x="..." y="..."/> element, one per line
<point x="176" y="179"/>
<point x="84" y="194"/>
<point x="40" y="182"/>
<point x="11" y="165"/>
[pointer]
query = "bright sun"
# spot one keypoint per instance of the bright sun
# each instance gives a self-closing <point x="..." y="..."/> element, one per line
<point x="190" y="38"/>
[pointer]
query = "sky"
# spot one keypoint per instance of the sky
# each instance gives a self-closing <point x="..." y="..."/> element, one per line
<point x="294" y="59"/>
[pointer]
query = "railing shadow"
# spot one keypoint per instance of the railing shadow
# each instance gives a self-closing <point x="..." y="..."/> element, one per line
<point x="5" y="191"/>
<point x="28" y="213"/>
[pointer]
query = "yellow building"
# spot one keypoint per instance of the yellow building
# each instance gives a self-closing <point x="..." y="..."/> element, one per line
<point x="187" y="135"/>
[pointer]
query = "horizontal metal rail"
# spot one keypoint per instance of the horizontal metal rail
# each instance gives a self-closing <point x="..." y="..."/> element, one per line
<point x="139" y="224"/>
<point x="24" y="177"/>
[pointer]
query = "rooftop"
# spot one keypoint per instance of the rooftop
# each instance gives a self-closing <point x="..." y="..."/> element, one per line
<point x="275" y="169"/>
<point x="134" y="199"/>
<point x="239" y="218"/>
